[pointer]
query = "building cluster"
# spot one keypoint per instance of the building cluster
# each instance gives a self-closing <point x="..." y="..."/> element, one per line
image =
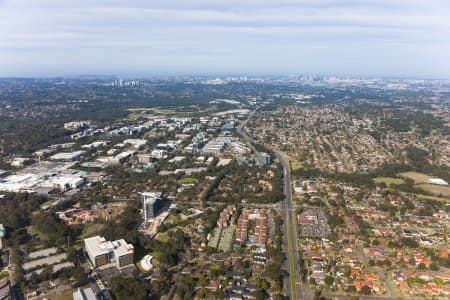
<point x="332" y="139"/>
<point x="372" y="231"/>
<point x="45" y="177"/>
<point x="98" y="211"/>
<point x="239" y="288"/>
<point x="313" y="223"/>
<point x="222" y="236"/>
<point x="259" y="236"/>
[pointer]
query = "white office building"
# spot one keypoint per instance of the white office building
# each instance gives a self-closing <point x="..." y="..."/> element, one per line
<point x="102" y="252"/>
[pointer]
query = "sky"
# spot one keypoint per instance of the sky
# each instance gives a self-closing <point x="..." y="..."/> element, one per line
<point x="408" y="38"/>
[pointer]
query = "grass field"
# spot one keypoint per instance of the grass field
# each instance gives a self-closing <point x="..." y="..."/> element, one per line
<point x="428" y="197"/>
<point x="416" y="176"/>
<point x="163" y="237"/>
<point x="389" y="180"/>
<point x="433" y="198"/>
<point x="3" y="274"/>
<point x="92" y="229"/>
<point x="41" y="235"/>
<point x="420" y="182"/>
<point x="188" y="180"/>
<point x="294" y="164"/>
<point x="181" y="111"/>
<point x="62" y="296"/>
<point x="133" y="116"/>
<point x="155" y="110"/>
<point x="435" y="189"/>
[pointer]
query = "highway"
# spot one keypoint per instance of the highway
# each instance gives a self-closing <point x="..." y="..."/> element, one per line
<point x="290" y="232"/>
<point x="293" y="284"/>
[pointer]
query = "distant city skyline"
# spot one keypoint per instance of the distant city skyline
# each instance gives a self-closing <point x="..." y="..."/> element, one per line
<point x="402" y="38"/>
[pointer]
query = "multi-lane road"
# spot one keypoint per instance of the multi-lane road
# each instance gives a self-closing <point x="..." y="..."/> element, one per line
<point x="290" y="233"/>
<point x="293" y="284"/>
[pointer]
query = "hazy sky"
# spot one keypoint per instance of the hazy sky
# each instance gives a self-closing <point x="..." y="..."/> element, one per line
<point x="131" y="37"/>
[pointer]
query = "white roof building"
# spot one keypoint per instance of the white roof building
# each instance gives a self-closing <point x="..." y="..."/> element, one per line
<point x="437" y="181"/>
<point x="76" y="155"/>
<point x="64" y="182"/>
<point x="101" y="252"/>
<point x="136" y="143"/>
<point x="84" y="294"/>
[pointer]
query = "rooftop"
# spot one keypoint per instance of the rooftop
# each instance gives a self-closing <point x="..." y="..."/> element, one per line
<point x="98" y="245"/>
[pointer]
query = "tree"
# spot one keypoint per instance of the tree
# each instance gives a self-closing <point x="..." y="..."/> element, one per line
<point x="260" y="295"/>
<point x="51" y="229"/>
<point x="422" y="266"/>
<point x="351" y="289"/>
<point x="329" y="280"/>
<point x="34" y="278"/>
<point x="220" y="294"/>
<point x="79" y="277"/>
<point x="264" y="284"/>
<point x="124" y="288"/>
<point x="365" y="290"/>
<point x="434" y="266"/>
<point x="202" y="293"/>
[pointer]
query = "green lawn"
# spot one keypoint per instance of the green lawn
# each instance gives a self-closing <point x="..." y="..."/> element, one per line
<point x="133" y="116"/>
<point x="389" y="180"/>
<point x="173" y="218"/>
<point x="295" y="164"/>
<point x="92" y="229"/>
<point x="3" y="274"/>
<point x="162" y="236"/>
<point x="436" y="190"/>
<point x="188" y="180"/>
<point x="61" y="296"/>
<point x="428" y="197"/>
<point x="42" y="235"/>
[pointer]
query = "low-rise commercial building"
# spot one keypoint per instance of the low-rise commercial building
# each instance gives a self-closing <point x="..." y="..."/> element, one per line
<point x="84" y="294"/>
<point x="68" y="156"/>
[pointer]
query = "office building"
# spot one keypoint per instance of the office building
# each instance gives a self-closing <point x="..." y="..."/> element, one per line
<point x="152" y="204"/>
<point x="2" y="235"/>
<point x="102" y="252"/>
<point x="263" y="158"/>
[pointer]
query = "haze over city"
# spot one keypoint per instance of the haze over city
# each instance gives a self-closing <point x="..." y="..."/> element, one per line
<point x="224" y="150"/>
<point x="362" y="38"/>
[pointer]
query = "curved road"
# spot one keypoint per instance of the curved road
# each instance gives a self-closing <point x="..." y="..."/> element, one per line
<point x="293" y="285"/>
